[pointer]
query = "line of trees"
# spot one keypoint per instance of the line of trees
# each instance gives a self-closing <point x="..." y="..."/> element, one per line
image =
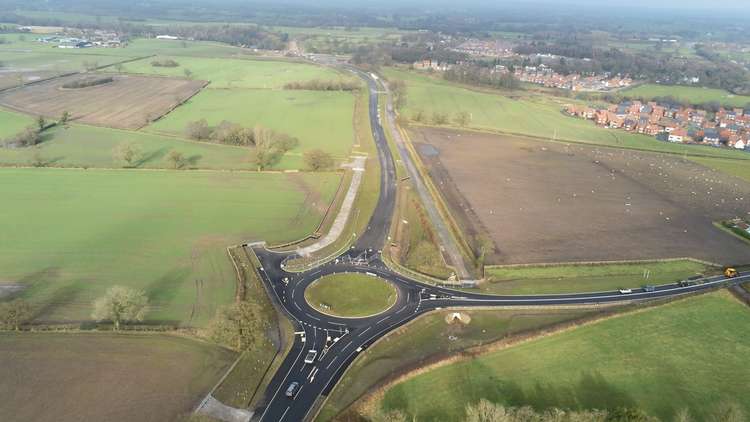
<point x="323" y="85"/>
<point x="268" y="146"/>
<point x="32" y="135"/>
<point x="486" y="411"/>
<point x="460" y="118"/>
<point x="87" y="82"/>
<point x="164" y="63"/>
<point x="481" y="76"/>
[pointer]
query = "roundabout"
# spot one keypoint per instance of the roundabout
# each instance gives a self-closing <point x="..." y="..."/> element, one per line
<point x="351" y="295"/>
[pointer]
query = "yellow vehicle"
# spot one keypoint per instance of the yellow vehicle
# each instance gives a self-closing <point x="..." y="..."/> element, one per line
<point x="731" y="273"/>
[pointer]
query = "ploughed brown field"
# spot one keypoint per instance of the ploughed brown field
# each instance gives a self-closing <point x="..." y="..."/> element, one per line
<point x="554" y="202"/>
<point x="129" y="102"/>
<point x="105" y="377"/>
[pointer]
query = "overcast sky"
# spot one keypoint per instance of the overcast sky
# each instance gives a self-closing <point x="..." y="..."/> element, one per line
<point x="711" y="5"/>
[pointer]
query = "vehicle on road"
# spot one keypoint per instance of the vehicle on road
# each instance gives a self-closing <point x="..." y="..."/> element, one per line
<point x="731" y="273"/>
<point x="625" y="291"/>
<point x="649" y="288"/>
<point x="310" y="357"/>
<point x="292" y="390"/>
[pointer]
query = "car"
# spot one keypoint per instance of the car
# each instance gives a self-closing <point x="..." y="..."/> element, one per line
<point x="292" y="390"/>
<point x="310" y="357"/>
<point x="649" y="288"/>
<point x="625" y="291"/>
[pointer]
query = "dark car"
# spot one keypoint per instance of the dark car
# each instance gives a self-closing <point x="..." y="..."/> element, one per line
<point x="649" y="288"/>
<point x="292" y="390"/>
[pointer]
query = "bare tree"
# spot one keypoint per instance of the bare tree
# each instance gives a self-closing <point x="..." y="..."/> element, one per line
<point x="176" y="159"/>
<point x="318" y="159"/>
<point x="439" y="118"/>
<point x="128" y="153"/>
<point x="41" y="123"/>
<point x="238" y="326"/>
<point x="120" y="304"/>
<point x="15" y="313"/>
<point x="198" y="130"/>
<point x="64" y="117"/>
<point x="462" y="118"/>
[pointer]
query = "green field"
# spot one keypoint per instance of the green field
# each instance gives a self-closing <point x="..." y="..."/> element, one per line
<point x="319" y="119"/>
<point x="688" y="354"/>
<point x="73" y="233"/>
<point x="733" y="167"/>
<point x="11" y="123"/>
<point x="585" y="278"/>
<point x="430" y="337"/>
<point x="351" y="295"/>
<point x="235" y="73"/>
<point x="530" y="114"/>
<point x="693" y="95"/>
<point x="67" y="377"/>
<point x="92" y="147"/>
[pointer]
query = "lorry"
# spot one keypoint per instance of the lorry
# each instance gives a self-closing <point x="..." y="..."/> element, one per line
<point x="731" y="272"/>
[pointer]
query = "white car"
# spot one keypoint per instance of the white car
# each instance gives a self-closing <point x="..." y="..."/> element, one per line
<point x="625" y="291"/>
<point x="310" y="357"/>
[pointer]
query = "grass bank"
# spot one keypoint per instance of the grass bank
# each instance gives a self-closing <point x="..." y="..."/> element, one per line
<point x="430" y="338"/>
<point x="687" y="354"/>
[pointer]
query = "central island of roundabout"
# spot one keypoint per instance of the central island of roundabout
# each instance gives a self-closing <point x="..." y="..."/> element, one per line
<point x="351" y="295"/>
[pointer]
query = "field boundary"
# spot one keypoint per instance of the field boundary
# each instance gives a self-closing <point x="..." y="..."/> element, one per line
<point x="580" y="142"/>
<point x="602" y="263"/>
<point x="65" y="75"/>
<point x="722" y="227"/>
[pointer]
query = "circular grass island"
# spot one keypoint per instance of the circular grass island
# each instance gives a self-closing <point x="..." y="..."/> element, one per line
<point x="351" y="295"/>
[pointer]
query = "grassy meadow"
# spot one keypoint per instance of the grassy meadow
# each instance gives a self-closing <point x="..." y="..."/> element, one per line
<point x="318" y="119"/>
<point x="527" y="114"/>
<point x="585" y="278"/>
<point x="11" y="123"/>
<point x="234" y="73"/>
<point x="687" y="354"/>
<point x="93" y="147"/>
<point x="691" y="94"/>
<point x="74" y="233"/>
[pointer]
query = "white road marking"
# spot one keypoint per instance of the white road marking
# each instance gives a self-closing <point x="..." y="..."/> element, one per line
<point x="284" y="414"/>
<point x="363" y="332"/>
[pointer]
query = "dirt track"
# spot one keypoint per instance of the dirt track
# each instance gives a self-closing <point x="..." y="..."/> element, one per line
<point x="550" y="202"/>
<point x="129" y="102"/>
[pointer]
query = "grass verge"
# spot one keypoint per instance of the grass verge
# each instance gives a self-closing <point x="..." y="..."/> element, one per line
<point x="245" y="385"/>
<point x="572" y="278"/>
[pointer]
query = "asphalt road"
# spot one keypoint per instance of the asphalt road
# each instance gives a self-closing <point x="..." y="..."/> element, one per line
<point x="338" y="341"/>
